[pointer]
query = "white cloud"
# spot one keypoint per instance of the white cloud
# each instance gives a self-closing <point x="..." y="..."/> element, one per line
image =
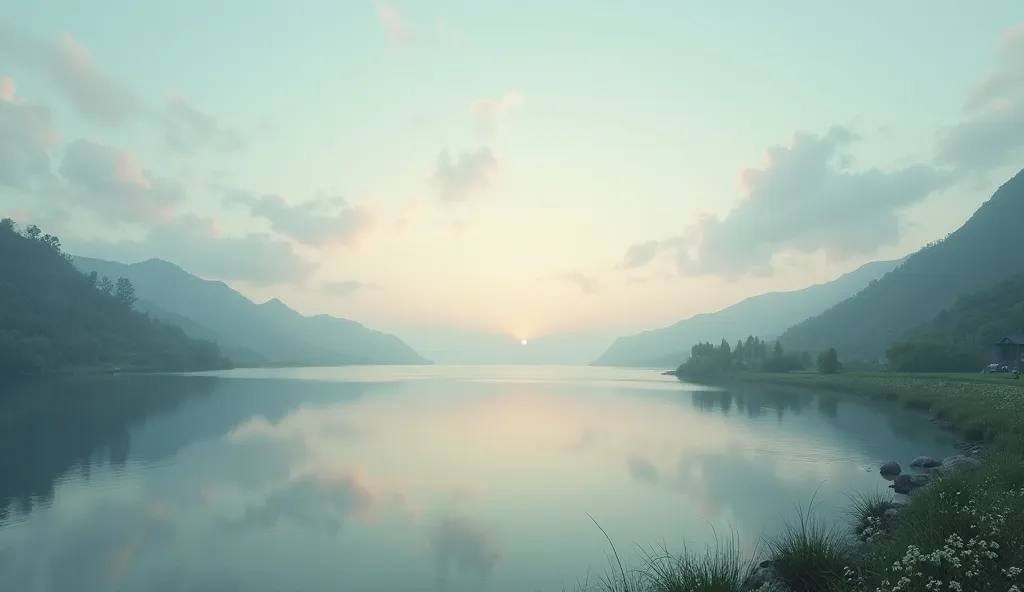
<point x="319" y="222"/>
<point x="462" y="178"/>
<point x="490" y="115"/>
<point x="805" y="199"/>
<point x="993" y="133"/>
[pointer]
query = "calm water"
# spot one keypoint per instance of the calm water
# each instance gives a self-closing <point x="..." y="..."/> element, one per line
<point x="418" y="479"/>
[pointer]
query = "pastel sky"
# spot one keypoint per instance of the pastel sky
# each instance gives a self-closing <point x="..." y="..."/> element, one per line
<point x="525" y="167"/>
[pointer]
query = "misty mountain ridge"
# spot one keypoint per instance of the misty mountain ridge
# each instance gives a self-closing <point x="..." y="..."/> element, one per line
<point x="766" y="315"/>
<point x="267" y="333"/>
<point x="464" y="346"/>
<point x="982" y="252"/>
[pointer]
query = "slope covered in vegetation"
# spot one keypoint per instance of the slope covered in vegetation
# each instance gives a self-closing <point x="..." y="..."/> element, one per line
<point x="985" y="250"/>
<point x="54" y="318"/>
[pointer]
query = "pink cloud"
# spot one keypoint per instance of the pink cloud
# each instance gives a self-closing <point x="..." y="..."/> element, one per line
<point x="95" y="93"/>
<point x="6" y="89"/>
<point x="393" y="21"/>
<point x="490" y="114"/>
<point x="115" y="183"/>
<point x="27" y="135"/>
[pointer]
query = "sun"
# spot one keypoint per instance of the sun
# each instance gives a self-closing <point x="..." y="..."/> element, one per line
<point x="524" y="342"/>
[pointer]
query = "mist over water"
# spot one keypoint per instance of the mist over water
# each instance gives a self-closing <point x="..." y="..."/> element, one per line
<point x="410" y="478"/>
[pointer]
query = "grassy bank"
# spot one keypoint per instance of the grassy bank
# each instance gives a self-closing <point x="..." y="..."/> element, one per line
<point x="962" y="533"/>
<point x="980" y="406"/>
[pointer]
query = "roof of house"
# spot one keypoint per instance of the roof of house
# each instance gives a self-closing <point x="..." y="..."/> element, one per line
<point x="1011" y="340"/>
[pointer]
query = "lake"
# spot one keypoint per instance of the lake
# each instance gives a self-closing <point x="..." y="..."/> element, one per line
<point x="425" y="478"/>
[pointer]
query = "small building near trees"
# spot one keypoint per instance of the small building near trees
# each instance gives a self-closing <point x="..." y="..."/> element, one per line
<point x="1009" y="350"/>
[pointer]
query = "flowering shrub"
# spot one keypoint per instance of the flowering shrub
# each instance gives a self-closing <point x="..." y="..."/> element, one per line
<point x="964" y="534"/>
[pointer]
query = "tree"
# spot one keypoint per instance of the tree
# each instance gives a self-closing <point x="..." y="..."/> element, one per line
<point x="52" y="317"/>
<point x="828" y="362"/>
<point x="777" y="350"/>
<point x="125" y="292"/>
<point x="805" y="359"/>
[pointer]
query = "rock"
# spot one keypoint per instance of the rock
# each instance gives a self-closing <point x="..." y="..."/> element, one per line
<point x="906" y="483"/>
<point x="762" y="575"/>
<point x="924" y="461"/>
<point x="890" y="468"/>
<point x="957" y="464"/>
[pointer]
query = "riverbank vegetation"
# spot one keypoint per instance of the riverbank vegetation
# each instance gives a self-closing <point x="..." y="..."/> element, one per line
<point x="962" y="532"/>
<point x="53" y="318"/>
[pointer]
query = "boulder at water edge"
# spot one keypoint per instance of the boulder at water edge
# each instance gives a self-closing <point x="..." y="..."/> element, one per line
<point x="890" y="468"/>
<point x="957" y="464"/>
<point x="906" y="483"/>
<point x="924" y="461"/>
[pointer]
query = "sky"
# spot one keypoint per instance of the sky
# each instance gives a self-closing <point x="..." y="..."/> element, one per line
<point x="519" y="167"/>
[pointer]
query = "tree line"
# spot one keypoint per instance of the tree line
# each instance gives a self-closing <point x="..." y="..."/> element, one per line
<point x="52" y="317"/>
<point x="752" y="355"/>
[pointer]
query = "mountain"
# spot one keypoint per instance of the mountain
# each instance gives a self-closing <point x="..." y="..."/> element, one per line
<point x="766" y="316"/>
<point x="982" y="252"/>
<point x="979" y="319"/>
<point x="268" y="333"/>
<point x="52" y="317"/>
<point x="454" y="345"/>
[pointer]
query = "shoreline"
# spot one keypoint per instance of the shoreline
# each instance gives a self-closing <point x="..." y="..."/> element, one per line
<point x="897" y="541"/>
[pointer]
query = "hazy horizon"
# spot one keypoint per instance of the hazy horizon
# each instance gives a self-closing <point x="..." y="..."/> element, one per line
<point x="520" y="169"/>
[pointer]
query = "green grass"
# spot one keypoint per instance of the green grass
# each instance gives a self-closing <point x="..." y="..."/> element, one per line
<point x="967" y="528"/>
<point x="981" y="407"/>
<point x="868" y="513"/>
<point x="810" y="555"/>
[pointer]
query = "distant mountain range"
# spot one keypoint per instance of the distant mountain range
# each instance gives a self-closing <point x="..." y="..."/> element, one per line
<point x="766" y="316"/>
<point x="250" y="334"/>
<point x="455" y="345"/>
<point x="985" y="250"/>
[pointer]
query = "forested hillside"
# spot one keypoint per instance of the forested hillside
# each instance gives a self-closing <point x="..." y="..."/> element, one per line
<point x="53" y="317"/>
<point x="250" y="333"/>
<point x="767" y="315"/>
<point x="982" y="252"/>
<point x="979" y="319"/>
<point x="960" y="338"/>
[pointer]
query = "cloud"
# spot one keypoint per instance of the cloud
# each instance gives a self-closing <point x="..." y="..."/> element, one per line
<point x="489" y="115"/>
<point x="346" y="288"/>
<point x="27" y="135"/>
<point x="643" y="471"/>
<point x="189" y="129"/>
<point x="640" y="254"/>
<point x="465" y="545"/>
<point x="196" y="244"/>
<point x="393" y="21"/>
<point x="993" y="133"/>
<point x="96" y="94"/>
<point x="586" y="284"/>
<point x="470" y="173"/>
<point x="112" y="182"/>
<point x="805" y="199"/>
<point x="315" y="503"/>
<point x="319" y="222"/>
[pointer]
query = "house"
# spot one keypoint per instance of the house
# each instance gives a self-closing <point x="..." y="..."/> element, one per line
<point x="1008" y="350"/>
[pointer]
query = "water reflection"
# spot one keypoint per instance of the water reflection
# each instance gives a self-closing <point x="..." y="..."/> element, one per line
<point x="455" y="482"/>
